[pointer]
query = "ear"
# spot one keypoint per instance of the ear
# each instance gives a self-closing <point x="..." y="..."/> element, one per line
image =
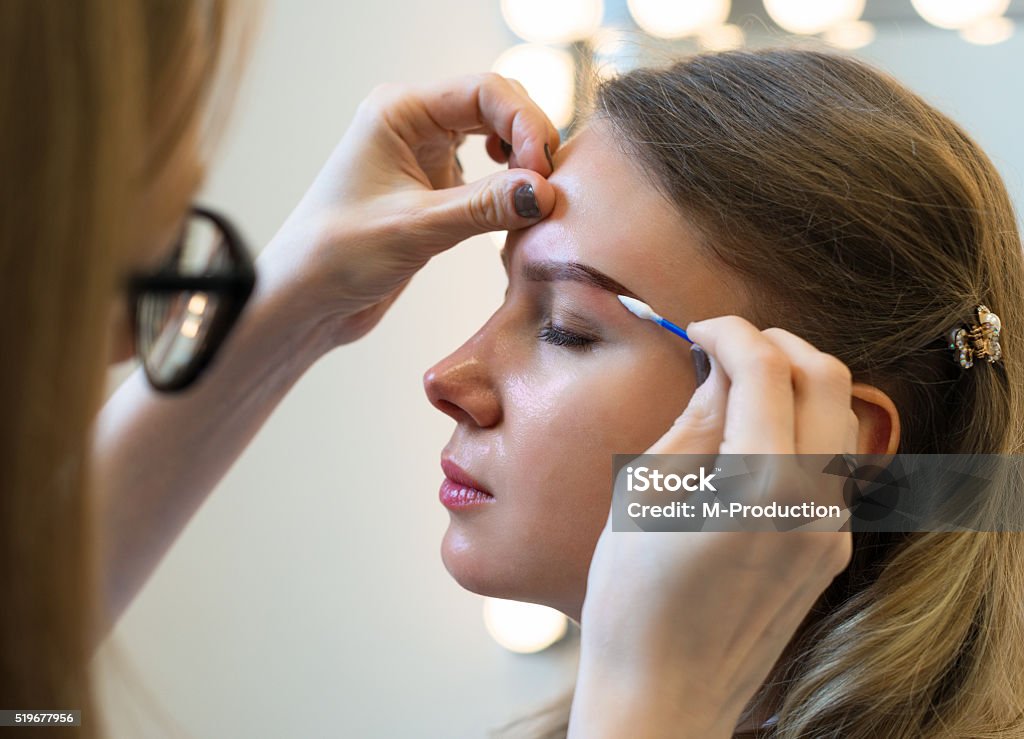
<point x="877" y="418"/>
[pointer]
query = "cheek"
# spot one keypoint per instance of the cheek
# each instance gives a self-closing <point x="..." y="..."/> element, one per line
<point x="564" y="416"/>
<point x="565" y="423"/>
<point x="584" y="411"/>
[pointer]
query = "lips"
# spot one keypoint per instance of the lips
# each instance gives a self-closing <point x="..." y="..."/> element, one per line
<point x="459" y="488"/>
<point x="459" y="476"/>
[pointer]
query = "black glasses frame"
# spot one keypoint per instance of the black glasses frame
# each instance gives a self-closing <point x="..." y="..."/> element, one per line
<point x="232" y="290"/>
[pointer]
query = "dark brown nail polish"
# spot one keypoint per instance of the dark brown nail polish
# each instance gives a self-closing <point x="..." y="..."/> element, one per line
<point x="547" y="153"/>
<point x="701" y="364"/>
<point x="506" y="147"/>
<point x="526" y="202"/>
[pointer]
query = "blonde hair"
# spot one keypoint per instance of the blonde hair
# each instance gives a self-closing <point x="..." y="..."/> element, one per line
<point x="101" y="100"/>
<point x="869" y="223"/>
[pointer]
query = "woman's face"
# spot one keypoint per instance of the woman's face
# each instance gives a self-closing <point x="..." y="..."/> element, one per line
<point x="562" y="377"/>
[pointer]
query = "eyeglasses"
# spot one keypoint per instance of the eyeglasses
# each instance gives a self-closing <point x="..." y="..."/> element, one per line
<point x="182" y="313"/>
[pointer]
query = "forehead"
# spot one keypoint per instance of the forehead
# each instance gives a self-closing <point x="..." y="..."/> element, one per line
<point x="610" y="215"/>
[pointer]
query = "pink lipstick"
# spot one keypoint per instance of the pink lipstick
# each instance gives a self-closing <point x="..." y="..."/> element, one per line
<point x="459" y="490"/>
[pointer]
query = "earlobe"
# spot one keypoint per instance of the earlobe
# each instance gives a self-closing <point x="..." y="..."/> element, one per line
<point x="878" y="419"/>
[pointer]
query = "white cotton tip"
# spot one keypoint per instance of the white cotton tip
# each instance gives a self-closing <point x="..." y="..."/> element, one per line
<point x="639" y="308"/>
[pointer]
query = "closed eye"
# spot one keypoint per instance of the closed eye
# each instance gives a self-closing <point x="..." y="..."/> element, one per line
<point x="558" y="336"/>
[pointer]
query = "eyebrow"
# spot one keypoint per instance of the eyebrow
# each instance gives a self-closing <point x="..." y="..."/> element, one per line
<point x="551" y="271"/>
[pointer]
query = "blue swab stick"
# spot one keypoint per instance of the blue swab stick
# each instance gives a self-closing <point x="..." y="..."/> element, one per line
<point x="640" y="309"/>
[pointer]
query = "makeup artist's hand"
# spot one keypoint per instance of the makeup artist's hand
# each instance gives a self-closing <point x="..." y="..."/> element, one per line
<point x="688" y="625"/>
<point x="391" y="196"/>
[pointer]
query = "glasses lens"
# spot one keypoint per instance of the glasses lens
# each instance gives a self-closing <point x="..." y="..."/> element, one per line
<point x="175" y="326"/>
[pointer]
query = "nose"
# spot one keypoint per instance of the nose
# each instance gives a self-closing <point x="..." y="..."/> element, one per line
<point x="462" y="385"/>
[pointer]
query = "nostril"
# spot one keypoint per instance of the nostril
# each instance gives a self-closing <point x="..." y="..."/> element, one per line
<point x="449" y="408"/>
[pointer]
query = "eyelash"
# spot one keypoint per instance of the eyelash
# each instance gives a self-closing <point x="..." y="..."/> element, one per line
<point x="560" y="337"/>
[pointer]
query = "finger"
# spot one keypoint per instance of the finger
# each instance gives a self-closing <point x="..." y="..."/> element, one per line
<point x="822" y="389"/>
<point x="700" y="427"/>
<point x="439" y="161"/>
<point x="518" y="85"/>
<point x="457" y="171"/>
<point x="513" y="161"/>
<point x="491" y="102"/>
<point x="493" y="145"/>
<point x="498" y="202"/>
<point x="760" y="415"/>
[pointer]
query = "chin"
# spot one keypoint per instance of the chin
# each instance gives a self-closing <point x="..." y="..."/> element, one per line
<point x="484" y="570"/>
<point x="475" y="567"/>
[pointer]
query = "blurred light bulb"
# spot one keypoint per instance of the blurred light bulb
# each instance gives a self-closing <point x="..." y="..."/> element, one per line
<point x="607" y="45"/>
<point x="988" y="31"/>
<point x="721" y="38"/>
<point x="676" y="18"/>
<point x="615" y="50"/>
<point x="812" y="16"/>
<point x="850" y="35"/>
<point x="607" y="41"/>
<point x="523" y="627"/>
<point x="547" y="22"/>
<point x="548" y="74"/>
<point x="958" y="13"/>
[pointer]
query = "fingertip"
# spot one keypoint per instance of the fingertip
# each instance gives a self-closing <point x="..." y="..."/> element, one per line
<point x="693" y="329"/>
<point x="533" y="197"/>
<point x="535" y="155"/>
<point x="524" y="201"/>
<point x="495" y="149"/>
<point x="701" y="364"/>
<point x="545" y="195"/>
<point x="699" y="334"/>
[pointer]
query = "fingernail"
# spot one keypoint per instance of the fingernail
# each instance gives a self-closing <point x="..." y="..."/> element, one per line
<point x="701" y="364"/>
<point x="526" y="202"/>
<point x="458" y="163"/>
<point x="547" y="153"/>
<point x="506" y="147"/>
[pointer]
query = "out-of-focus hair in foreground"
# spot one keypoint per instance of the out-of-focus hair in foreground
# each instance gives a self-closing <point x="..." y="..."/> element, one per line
<point x="103" y="126"/>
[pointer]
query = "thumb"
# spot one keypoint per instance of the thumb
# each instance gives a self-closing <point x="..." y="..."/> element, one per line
<point x="506" y="200"/>
<point x="700" y="428"/>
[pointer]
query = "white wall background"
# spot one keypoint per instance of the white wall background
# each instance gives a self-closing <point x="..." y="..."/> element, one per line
<point x="291" y="607"/>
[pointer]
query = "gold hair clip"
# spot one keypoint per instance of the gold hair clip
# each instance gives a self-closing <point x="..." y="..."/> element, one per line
<point x="979" y="340"/>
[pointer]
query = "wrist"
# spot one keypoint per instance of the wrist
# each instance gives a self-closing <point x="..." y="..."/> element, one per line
<point x="295" y="291"/>
<point x="611" y="711"/>
<point x="284" y="309"/>
<point x="644" y="698"/>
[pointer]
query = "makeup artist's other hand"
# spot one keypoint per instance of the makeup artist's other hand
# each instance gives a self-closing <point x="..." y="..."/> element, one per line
<point x="391" y="196"/>
<point x="688" y="625"/>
